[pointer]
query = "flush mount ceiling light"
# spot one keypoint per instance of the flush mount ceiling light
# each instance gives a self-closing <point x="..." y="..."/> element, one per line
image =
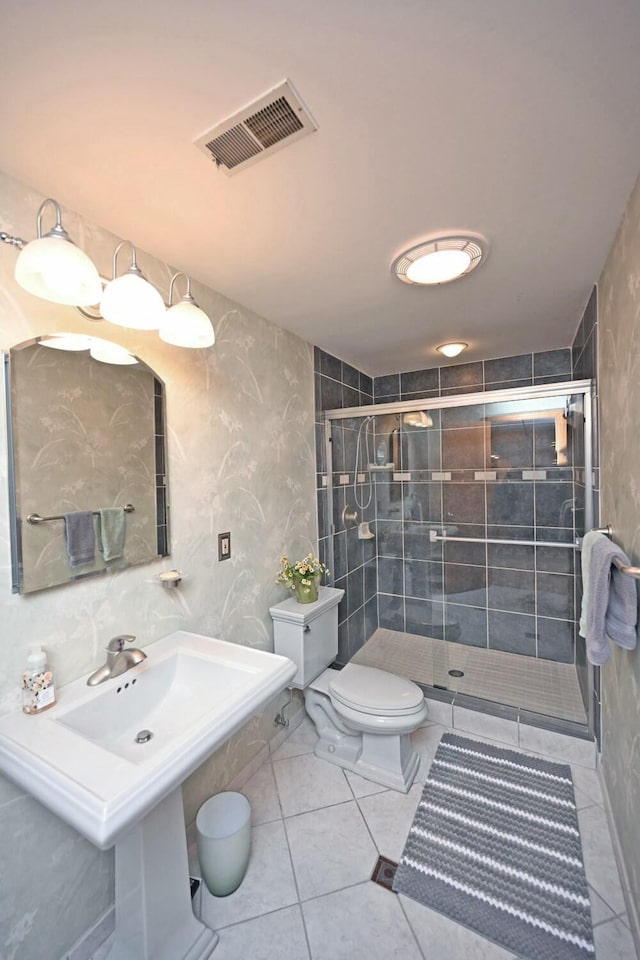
<point x="185" y="324"/>
<point x="440" y="260"/>
<point x="452" y="349"/>
<point x="52" y="267"/>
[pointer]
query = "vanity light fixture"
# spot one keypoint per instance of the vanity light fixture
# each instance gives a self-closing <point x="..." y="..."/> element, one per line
<point x="71" y="342"/>
<point x="52" y="267"/>
<point x="185" y="324"/>
<point x="130" y="300"/>
<point x="107" y="352"/>
<point x="452" y="349"/>
<point x="103" y="350"/>
<point x="440" y="260"/>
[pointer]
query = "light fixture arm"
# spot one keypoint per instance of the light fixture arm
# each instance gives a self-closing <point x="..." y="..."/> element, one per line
<point x="133" y="268"/>
<point x="188" y="295"/>
<point x="57" y="229"/>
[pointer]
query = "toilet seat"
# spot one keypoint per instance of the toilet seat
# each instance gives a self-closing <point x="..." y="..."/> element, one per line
<point x="358" y="689"/>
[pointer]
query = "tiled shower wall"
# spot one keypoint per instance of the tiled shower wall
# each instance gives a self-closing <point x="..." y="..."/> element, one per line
<point x="501" y="596"/>
<point x="507" y="597"/>
<point x="339" y="385"/>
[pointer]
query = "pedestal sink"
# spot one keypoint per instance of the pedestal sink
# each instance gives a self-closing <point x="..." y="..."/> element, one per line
<point x="83" y="760"/>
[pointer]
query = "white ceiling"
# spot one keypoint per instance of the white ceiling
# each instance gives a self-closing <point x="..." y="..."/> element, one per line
<point x="515" y="119"/>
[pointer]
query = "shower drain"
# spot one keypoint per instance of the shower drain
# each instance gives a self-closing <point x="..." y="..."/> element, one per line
<point x="456" y="673"/>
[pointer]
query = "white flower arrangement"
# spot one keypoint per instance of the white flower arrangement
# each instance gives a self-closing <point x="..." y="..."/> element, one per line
<point x="306" y="572"/>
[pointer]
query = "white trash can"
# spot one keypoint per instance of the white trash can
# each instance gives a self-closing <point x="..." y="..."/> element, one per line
<point x="223" y="827"/>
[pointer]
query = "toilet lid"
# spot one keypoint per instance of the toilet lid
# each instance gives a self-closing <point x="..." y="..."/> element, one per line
<point x="375" y="691"/>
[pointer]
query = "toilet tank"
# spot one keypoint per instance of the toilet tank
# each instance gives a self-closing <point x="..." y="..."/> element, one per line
<point x="307" y="633"/>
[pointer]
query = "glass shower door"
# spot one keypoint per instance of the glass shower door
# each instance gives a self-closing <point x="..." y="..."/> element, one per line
<point x="474" y="511"/>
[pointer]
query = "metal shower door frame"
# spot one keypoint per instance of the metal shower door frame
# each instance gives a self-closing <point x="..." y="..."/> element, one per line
<point x="536" y="392"/>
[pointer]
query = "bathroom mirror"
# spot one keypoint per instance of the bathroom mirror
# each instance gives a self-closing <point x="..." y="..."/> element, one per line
<point x="86" y="431"/>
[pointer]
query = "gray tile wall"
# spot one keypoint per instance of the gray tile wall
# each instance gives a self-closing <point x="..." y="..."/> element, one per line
<point x="549" y="366"/>
<point x="339" y="385"/>
<point x="515" y="598"/>
<point x="502" y="596"/>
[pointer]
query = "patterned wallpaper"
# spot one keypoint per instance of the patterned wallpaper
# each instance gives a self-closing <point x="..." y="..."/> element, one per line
<point x="240" y="458"/>
<point x="619" y="378"/>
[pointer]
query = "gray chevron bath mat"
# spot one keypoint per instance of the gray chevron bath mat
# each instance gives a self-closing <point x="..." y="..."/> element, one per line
<point x="495" y="846"/>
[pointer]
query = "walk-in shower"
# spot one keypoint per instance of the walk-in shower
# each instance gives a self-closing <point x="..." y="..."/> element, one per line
<point x="475" y="502"/>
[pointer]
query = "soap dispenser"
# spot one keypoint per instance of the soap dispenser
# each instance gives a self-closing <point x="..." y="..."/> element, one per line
<point x="38" y="692"/>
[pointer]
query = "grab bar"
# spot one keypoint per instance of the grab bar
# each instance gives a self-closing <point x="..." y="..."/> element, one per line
<point x="36" y="518"/>
<point x="629" y="569"/>
<point x="434" y="536"/>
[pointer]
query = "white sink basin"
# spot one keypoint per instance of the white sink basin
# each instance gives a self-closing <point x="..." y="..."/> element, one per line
<point x="81" y="758"/>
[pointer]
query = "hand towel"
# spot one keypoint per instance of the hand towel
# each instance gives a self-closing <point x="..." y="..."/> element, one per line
<point x="111" y="532"/>
<point x="612" y="609"/>
<point x="587" y="543"/>
<point x="80" y="536"/>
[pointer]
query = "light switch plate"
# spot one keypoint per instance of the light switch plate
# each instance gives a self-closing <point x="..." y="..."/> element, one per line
<point x="224" y="546"/>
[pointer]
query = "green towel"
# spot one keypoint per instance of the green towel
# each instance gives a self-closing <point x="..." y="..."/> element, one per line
<point x="111" y="532"/>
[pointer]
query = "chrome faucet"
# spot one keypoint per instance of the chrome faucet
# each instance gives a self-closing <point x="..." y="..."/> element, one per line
<point x="119" y="660"/>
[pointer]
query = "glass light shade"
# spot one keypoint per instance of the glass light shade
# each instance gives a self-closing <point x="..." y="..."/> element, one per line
<point x="131" y="301"/>
<point x="418" y="418"/>
<point x="440" y="266"/>
<point x="107" y="352"/>
<point x="72" y="342"/>
<point x="186" y="325"/>
<point x="452" y="349"/>
<point x="56" y="270"/>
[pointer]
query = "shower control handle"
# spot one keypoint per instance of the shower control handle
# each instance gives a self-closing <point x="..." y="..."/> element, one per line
<point x="349" y="517"/>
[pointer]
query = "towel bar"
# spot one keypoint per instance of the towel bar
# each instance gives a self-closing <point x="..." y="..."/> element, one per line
<point x="630" y="570"/>
<point x="36" y="518"/>
<point x="434" y="536"/>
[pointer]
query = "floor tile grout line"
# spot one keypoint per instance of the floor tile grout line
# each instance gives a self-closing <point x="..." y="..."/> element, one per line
<point x="258" y="916"/>
<point x="409" y="924"/>
<point x="366" y="823"/>
<point x="295" y="880"/>
<point x="306" y="932"/>
<point x="597" y="892"/>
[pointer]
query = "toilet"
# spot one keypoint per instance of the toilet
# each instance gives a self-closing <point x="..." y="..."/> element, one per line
<point x="363" y="715"/>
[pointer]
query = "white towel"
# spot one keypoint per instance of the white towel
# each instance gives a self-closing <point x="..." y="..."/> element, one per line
<point x="587" y="545"/>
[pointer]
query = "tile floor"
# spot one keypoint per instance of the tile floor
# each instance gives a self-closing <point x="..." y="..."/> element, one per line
<point x="508" y="678"/>
<point x="316" y="837"/>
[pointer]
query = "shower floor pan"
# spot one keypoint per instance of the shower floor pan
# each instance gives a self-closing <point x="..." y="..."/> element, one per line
<point x="542" y="687"/>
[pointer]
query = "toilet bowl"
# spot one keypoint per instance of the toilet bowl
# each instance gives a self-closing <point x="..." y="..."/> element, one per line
<point x="363" y="717"/>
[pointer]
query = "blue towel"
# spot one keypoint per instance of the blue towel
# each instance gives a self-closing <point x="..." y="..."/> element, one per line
<point x="612" y="603"/>
<point x="111" y="532"/>
<point x="80" y="536"/>
<point x="591" y="537"/>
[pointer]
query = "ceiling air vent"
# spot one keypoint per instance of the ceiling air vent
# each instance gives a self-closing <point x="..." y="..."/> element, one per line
<point x="272" y="121"/>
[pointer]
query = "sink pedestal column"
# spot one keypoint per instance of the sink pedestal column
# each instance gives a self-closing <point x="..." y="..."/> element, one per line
<point x="154" y="916"/>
